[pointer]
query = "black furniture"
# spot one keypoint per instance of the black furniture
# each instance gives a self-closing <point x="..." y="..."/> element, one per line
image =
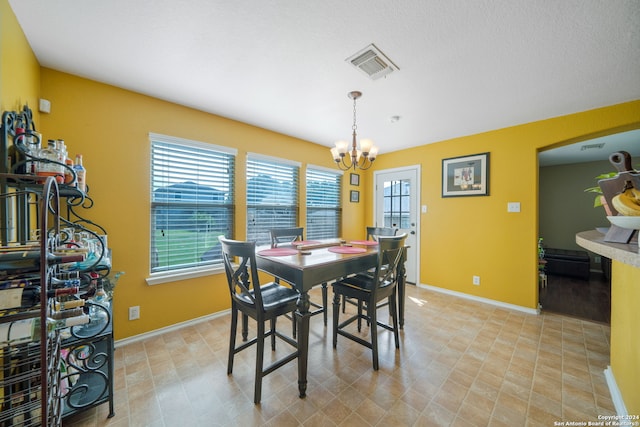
<point x="372" y="234"/>
<point x="369" y="291"/>
<point x="287" y="237"/>
<point x="307" y="271"/>
<point x="260" y="302"/>
<point x="564" y="262"/>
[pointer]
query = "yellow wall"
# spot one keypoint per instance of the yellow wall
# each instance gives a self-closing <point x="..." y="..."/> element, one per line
<point x="19" y="68"/>
<point x="460" y="237"/>
<point x="625" y="342"/>
<point x="466" y="236"/>
<point x="110" y="127"/>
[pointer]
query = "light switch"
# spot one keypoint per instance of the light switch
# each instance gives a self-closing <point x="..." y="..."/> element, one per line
<point x="513" y="207"/>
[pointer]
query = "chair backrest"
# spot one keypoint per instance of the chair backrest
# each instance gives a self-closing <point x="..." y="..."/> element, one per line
<point x="242" y="276"/>
<point x="373" y="232"/>
<point x="285" y="236"/>
<point x="390" y="254"/>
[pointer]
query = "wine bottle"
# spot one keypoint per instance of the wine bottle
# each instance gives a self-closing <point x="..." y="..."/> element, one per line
<point x="14" y="283"/>
<point x="30" y="259"/>
<point x="29" y="296"/>
<point x="68" y="304"/>
<point x="28" y="330"/>
<point x="19" y="297"/>
<point x="65" y="314"/>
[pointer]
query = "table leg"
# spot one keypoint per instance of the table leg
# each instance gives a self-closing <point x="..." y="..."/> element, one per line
<point x="302" y="316"/>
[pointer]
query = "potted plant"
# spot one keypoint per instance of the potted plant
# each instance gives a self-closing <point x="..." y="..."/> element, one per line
<point x="599" y="199"/>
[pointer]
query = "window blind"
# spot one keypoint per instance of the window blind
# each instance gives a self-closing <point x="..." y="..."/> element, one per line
<point x="191" y="203"/>
<point x="272" y="197"/>
<point x="324" y="211"/>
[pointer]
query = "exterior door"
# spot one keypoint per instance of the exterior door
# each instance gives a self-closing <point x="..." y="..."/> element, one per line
<point x="396" y="205"/>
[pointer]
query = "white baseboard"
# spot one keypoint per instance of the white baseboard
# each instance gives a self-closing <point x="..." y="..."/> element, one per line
<point x="616" y="396"/>
<point x="481" y="299"/>
<point x="170" y="328"/>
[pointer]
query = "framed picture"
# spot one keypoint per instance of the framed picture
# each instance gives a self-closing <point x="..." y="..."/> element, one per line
<point x="466" y="176"/>
<point x="355" y="196"/>
<point x="355" y="179"/>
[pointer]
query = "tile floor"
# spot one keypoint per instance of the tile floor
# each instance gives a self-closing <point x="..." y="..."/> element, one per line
<point x="461" y="363"/>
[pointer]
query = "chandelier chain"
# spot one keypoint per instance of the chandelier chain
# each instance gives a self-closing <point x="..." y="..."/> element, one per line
<point x="354" y="127"/>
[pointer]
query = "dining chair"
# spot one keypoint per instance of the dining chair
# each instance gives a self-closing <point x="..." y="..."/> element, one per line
<point x="260" y="302"/>
<point x="368" y="291"/>
<point x="372" y="234"/>
<point x="286" y="237"/>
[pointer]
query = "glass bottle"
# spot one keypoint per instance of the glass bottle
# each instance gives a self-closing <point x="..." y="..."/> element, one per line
<point x="99" y="309"/>
<point x="48" y="165"/>
<point x="81" y="174"/>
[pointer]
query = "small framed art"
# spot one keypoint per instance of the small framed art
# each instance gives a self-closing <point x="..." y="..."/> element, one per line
<point x="355" y="179"/>
<point x="354" y="196"/>
<point x="466" y="176"/>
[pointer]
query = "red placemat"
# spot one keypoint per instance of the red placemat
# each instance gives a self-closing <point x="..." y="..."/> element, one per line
<point x="364" y="242"/>
<point x="277" y="252"/>
<point x="305" y="242"/>
<point x="346" y="250"/>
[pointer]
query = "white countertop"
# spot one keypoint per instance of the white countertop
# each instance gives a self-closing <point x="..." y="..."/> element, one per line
<point x="593" y="241"/>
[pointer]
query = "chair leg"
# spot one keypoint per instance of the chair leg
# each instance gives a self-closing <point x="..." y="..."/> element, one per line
<point x="257" y="392"/>
<point x="344" y="304"/>
<point x="372" y="311"/>
<point x="232" y="339"/>
<point x="393" y="310"/>
<point x="245" y="327"/>
<point x="336" y="317"/>
<point x="360" y="315"/>
<point x="324" y="302"/>
<point x="273" y="334"/>
<point x="294" y="325"/>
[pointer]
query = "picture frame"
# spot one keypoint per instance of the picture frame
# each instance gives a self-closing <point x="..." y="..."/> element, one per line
<point x="354" y="196"/>
<point x="355" y="179"/>
<point x="466" y="175"/>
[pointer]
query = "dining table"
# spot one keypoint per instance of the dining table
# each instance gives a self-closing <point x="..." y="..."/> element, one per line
<point x="310" y="263"/>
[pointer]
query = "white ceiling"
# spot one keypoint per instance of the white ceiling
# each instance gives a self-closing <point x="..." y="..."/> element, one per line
<point x="465" y="66"/>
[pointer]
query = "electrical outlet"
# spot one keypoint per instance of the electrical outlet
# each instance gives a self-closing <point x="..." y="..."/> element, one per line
<point x="476" y="280"/>
<point x="513" y="207"/>
<point x="134" y="312"/>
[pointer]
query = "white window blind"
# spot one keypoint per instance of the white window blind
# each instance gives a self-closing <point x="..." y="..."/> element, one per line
<point x="324" y="211"/>
<point x="272" y="197"/>
<point x="191" y="202"/>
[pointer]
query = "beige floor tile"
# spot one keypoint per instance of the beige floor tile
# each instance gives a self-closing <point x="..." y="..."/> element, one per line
<point x="461" y="363"/>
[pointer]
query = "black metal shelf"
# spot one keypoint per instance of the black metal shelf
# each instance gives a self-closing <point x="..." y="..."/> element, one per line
<point x="44" y="396"/>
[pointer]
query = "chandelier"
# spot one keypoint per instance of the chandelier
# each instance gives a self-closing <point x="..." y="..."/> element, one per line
<point x="361" y="158"/>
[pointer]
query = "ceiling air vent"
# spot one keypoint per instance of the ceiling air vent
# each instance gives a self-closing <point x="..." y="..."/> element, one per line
<point x="592" y="146"/>
<point x="372" y="62"/>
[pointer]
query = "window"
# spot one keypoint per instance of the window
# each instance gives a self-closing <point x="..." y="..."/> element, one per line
<point x="397" y="207"/>
<point x="272" y="196"/>
<point x="191" y="202"/>
<point x="323" y="203"/>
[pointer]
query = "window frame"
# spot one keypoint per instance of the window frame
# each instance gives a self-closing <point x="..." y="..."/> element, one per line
<point x="259" y="235"/>
<point x="311" y="233"/>
<point x="199" y="268"/>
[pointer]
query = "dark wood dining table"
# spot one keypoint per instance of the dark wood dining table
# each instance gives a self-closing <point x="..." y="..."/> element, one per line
<point x="311" y="265"/>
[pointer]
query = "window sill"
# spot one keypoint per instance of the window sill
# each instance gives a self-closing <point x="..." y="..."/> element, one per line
<point x="176" y="276"/>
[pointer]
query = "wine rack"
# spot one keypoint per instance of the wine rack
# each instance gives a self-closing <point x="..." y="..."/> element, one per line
<point x="30" y="368"/>
<point x="62" y="369"/>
